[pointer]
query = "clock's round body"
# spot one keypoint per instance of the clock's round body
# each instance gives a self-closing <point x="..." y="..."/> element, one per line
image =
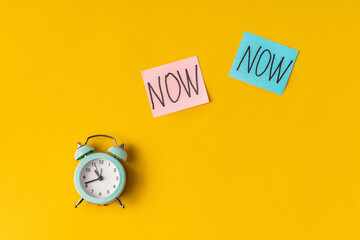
<point x="99" y="178"/>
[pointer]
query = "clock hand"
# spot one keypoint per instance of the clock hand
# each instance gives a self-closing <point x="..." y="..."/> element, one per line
<point x="91" y="181"/>
<point x="97" y="173"/>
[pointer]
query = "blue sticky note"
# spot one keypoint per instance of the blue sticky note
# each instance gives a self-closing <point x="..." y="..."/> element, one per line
<point x="263" y="63"/>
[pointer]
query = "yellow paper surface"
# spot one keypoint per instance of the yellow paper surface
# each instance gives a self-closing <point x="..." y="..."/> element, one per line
<point x="248" y="165"/>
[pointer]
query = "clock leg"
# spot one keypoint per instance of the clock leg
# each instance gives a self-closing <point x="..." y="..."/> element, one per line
<point x="77" y="204"/>
<point x="119" y="202"/>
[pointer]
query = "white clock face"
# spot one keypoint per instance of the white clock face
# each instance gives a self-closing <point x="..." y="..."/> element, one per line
<point x="99" y="178"/>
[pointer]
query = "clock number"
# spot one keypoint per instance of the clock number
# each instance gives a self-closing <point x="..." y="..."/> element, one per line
<point x="84" y="177"/>
<point x="108" y="191"/>
<point x="117" y="177"/>
<point x="87" y="169"/>
<point x="101" y="161"/>
<point x="114" y="169"/>
<point x="114" y="186"/>
<point x="86" y="185"/>
<point x="93" y="164"/>
<point x="92" y="190"/>
<point x="99" y="193"/>
<point x="109" y="164"/>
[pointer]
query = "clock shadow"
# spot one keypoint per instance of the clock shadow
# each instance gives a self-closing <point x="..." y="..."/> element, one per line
<point x="133" y="177"/>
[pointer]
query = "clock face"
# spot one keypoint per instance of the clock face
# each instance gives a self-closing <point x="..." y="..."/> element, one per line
<point x="99" y="178"/>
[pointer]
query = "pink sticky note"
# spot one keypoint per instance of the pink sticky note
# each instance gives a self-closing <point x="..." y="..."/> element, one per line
<point x="175" y="86"/>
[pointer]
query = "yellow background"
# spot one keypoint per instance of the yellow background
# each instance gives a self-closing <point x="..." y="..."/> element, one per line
<point x="249" y="165"/>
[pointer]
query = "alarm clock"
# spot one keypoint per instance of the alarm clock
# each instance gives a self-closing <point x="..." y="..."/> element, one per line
<point x="100" y="177"/>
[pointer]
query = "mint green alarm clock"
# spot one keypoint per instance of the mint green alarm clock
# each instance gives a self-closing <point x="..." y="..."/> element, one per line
<point x="100" y="177"/>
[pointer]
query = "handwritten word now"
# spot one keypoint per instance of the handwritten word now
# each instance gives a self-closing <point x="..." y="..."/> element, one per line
<point x="263" y="63"/>
<point x="175" y="86"/>
<point x="271" y="59"/>
<point x="178" y="79"/>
